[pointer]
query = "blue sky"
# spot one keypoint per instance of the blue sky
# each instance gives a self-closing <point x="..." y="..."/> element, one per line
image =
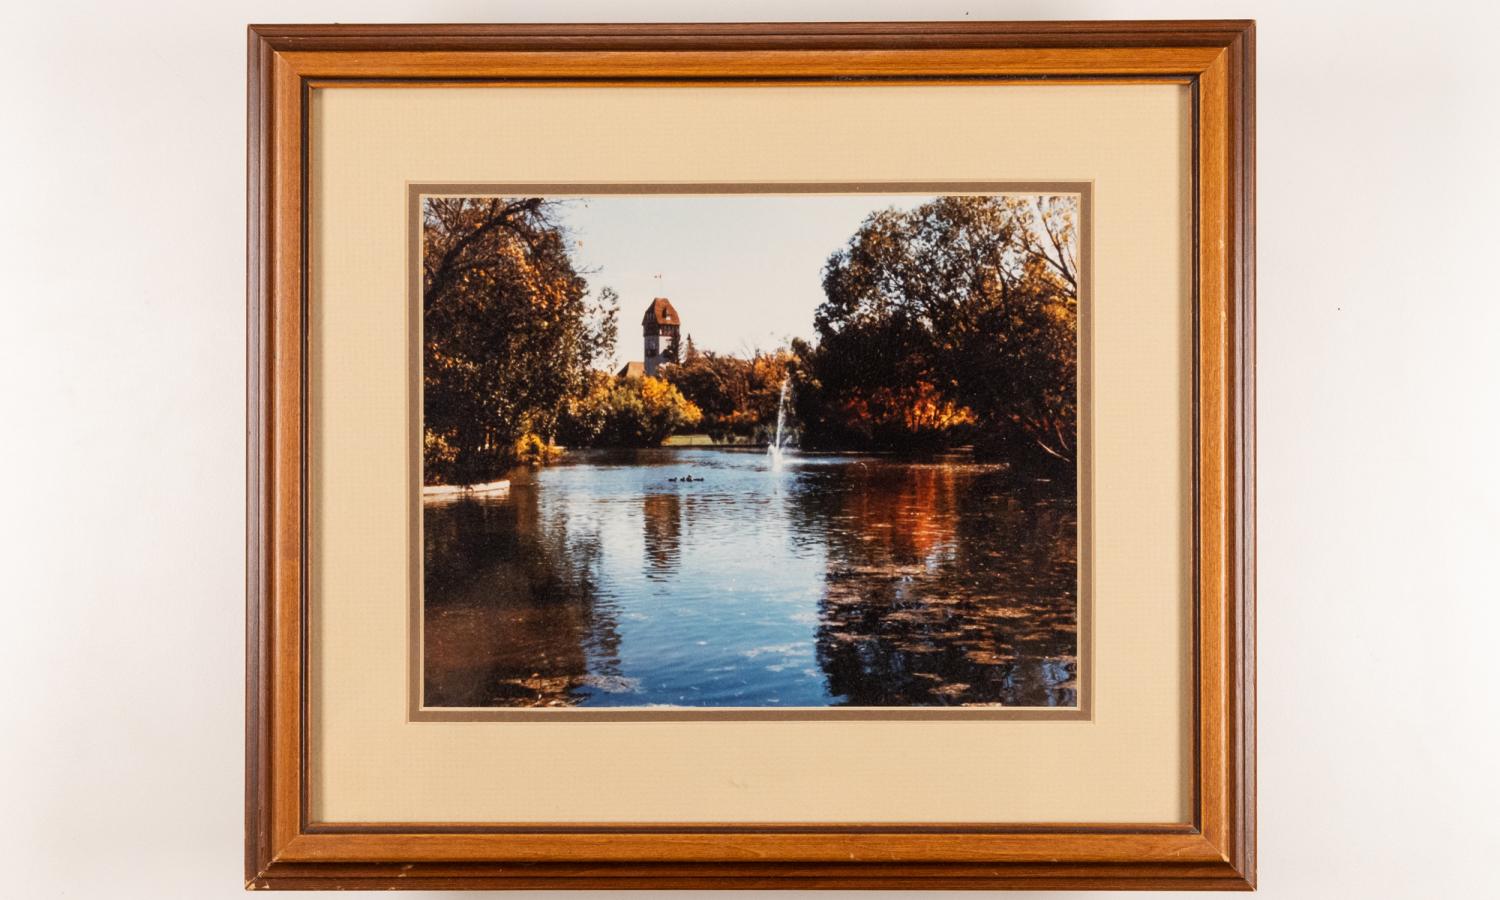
<point x="744" y="271"/>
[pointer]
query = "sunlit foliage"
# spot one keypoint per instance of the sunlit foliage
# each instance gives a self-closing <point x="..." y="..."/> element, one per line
<point x="510" y="332"/>
<point x="627" y="412"/>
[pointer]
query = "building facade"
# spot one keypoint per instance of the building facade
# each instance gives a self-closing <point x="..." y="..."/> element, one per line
<point x="661" y="331"/>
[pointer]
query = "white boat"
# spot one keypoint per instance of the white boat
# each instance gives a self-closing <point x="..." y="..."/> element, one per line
<point x="442" y="493"/>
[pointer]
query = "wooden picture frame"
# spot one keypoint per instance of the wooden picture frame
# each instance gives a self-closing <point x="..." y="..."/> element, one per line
<point x="1216" y="850"/>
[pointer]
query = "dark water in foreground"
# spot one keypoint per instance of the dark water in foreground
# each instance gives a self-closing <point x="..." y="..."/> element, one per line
<point x="839" y="581"/>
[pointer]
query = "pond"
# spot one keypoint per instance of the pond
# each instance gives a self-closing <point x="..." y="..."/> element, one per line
<point x="612" y="580"/>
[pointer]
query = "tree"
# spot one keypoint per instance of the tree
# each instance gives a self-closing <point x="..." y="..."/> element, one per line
<point x="586" y="414"/>
<point x="736" y="395"/>
<point x="955" y="318"/>
<point x="719" y="386"/>
<point x="627" y="412"/>
<point x="510" y="330"/>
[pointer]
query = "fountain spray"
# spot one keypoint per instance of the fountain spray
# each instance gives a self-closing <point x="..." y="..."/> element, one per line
<point x="776" y="451"/>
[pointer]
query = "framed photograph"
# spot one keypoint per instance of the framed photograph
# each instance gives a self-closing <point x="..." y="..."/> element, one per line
<point x="771" y="455"/>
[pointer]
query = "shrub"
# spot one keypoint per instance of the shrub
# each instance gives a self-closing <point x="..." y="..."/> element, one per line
<point x="628" y="412"/>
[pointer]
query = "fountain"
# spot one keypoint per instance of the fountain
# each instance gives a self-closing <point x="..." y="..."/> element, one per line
<point x="778" y="449"/>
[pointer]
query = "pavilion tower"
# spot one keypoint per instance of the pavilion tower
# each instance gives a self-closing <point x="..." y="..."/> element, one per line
<point x="660" y="328"/>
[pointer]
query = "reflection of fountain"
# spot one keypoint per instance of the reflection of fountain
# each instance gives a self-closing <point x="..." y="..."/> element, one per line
<point x="778" y="449"/>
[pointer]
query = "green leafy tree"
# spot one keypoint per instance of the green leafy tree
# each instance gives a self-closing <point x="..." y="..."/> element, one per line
<point x="510" y="331"/>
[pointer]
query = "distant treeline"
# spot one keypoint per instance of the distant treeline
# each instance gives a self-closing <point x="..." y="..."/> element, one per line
<point x="951" y="324"/>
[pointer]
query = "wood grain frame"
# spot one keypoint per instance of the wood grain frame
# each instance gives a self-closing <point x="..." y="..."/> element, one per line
<point x="283" y="849"/>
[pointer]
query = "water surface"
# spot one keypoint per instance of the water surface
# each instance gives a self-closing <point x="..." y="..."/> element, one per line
<point x="840" y="580"/>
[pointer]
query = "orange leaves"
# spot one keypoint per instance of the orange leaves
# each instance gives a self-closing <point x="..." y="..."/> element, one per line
<point x="919" y="407"/>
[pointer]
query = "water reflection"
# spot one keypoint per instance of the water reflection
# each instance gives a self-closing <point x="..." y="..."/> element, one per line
<point x="512" y="615"/>
<point x="947" y="585"/>
<point x="662" y="514"/>
<point x="863" y="581"/>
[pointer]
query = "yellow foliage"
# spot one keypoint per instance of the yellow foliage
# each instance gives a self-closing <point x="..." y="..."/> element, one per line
<point x="531" y="450"/>
<point x="659" y="396"/>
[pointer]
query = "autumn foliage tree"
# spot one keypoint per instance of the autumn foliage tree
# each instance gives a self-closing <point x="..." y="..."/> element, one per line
<point x="510" y="331"/>
<point x="636" y="411"/>
<point x="951" y="323"/>
<point x="737" y="396"/>
<point x="956" y="320"/>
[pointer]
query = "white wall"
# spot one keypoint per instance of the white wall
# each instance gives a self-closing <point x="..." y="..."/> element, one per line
<point x="121" y="378"/>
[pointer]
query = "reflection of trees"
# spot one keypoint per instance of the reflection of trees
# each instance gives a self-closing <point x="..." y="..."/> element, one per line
<point x="946" y="586"/>
<point x="511" y="613"/>
<point x="662" y="530"/>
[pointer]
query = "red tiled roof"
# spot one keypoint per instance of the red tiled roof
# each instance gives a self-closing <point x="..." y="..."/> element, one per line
<point x="661" y="312"/>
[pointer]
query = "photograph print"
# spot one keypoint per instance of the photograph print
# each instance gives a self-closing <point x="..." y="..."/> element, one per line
<point x="801" y="449"/>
